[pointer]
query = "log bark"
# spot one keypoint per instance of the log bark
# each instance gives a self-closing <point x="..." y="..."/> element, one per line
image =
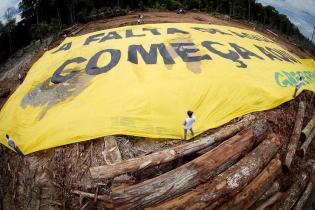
<point x="275" y="188"/>
<point x="270" y="192"/>
<point x="230" y="181"/>
<point x="91" y="195"/>
<point x="294" y="140"/>
<point x="306" y="194"/>
<point x="134" y="164"/>
<point x="185" y="177"/>
<point x="306" y="143"/>
<point x="292" y="195"/>
<point x="104" y="198"/>
<point x="308" y="128"/>
<point x="246" y="198"/>
<point x="271" y="201"/>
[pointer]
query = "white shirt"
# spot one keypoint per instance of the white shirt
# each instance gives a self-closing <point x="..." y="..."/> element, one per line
<point x="299" y="84"/>
<point x="189" y="122"/>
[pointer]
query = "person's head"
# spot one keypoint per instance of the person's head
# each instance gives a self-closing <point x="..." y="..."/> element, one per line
<point x="6" y="135"/>
<point x="301" y="78"/>
<point x="189" y="113"/>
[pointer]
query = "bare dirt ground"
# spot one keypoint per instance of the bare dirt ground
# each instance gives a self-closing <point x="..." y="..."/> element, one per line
<point x="45" y="179"/>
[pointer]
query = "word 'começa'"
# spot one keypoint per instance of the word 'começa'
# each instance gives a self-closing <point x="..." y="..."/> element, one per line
<point x="187" y="51"/>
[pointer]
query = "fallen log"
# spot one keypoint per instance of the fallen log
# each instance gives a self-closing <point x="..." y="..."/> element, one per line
<point x="96" y="194"/>
<point x="207" y="149"/>
<point x="230" y="182"/>
<point x="185" y="177"/>
<point x="306" y="194"/>
<point x="270" y="192"/>
<point x="134" y="164"/>
<point x="104" y="198"/>
<point x="270" y="202"/>
<point x="306" y="143"/>
<point x="310" y="165"/>
<point x="275" y="188"/>
<point x="91" y="195"/>
<point x="292" y="195"/>
<point x="294" y="140"/>
<point x="246" y="198"/>
<point x="308" y="129"/>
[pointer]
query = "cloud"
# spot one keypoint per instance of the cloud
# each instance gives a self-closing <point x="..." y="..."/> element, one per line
<point x="301" y="13"/>
<point x="5" y="4"/>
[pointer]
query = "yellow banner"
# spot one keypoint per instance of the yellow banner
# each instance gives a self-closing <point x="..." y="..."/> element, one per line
<point x="141" y="80"/>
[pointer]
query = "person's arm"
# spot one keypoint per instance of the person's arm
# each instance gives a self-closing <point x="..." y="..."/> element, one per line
<point x="184" y="123"/>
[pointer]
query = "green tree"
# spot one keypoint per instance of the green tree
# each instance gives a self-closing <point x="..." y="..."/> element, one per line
<point x="40" y="31"/>
<point x="9" y="16"/>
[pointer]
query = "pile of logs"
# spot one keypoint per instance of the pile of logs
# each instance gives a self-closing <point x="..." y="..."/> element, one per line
<point x="239" y="169"/>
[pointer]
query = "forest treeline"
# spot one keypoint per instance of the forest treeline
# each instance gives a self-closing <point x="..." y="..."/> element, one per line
<point x="41" y="18"/>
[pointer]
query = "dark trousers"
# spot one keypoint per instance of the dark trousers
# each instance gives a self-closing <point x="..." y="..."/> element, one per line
<point x="17" y="149"/>
<point x="295" y="91"/>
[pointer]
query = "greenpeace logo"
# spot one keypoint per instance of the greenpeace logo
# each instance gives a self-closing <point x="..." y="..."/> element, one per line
<point x="289" y="79"/>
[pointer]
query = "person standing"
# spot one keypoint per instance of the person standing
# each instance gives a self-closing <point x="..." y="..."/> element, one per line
<point x="140" y="19"/>
<point x="188" y="123"/>
<point x="298" y="86"/>
<point x="20" y="78"/>
<point x="13" y="145"/>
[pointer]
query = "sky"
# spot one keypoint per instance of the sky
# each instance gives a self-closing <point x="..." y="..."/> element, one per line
<point x="300" y="12"/>
<point x="4" y="4"/>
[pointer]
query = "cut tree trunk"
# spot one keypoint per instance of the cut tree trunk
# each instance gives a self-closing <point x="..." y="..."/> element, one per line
<point x="292" y="195"/>
<point x="270" y="192"/>
<point x="91" y="195"/>
<point x="185" y="177"/>
<point x="306" y="194"/>
<point x="207" y="149"/>
<point x="308" y="128"/>
<point x="275" y="188"/>
<point x="230" y="182"/>
<point x="134" y="164"/>
<point x="294" y="137"/>
<point x="246" y="198"/>
<point x="306" y="143"/>
<point x="270" y="202"/>
<point x="105" y="198"/>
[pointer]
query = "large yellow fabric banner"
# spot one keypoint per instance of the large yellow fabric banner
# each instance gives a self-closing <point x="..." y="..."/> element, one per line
<point x="141" y="80"/>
